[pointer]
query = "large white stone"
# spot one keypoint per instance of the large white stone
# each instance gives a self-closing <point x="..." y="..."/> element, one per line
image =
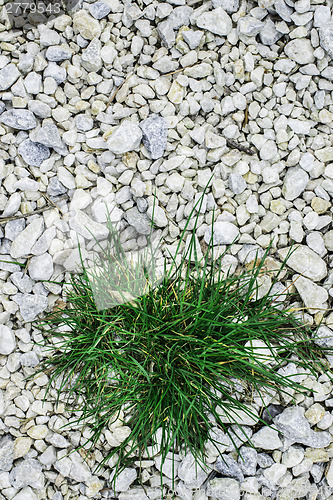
<point x="7" y="340"/>
<point x="300" y="50"/>
<point x="216" y="21"/>
<point x="305" y="261"/>
<point x="126" y="137"/>
<point x="295" y="182"/>
<point x="24" y="242"/>
<point x="313" y="296"/>
<point x="224" y="233"/>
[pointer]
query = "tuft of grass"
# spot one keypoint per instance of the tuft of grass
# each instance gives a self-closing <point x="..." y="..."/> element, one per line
<point x="176" y="356"/>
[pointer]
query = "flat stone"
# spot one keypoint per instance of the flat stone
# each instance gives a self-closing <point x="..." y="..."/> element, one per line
<point x="7" y="340"/>
<point x="154" y="135"/>
<point x="227" y="466"/>
<point x="216" y="21"/>
<point x="325" y="154"/>
<point x="236" y="183"/>
<point x="313" y="296"/>
<point x="80" y="471"/>
<point x="126" y="137"/>
<point x="300" y="50"/>
<point x="157" y="215"/>
<point x="248" y="460"/>
<point x="124" y="479"/>
<point x="295" y="181"/>
<point x="305" y="261"/>
<point x="249" y="26"/>
<point x="49" y="136"/>
<point x="224" y="233"/>
<point x="58" y="73"/>
<point x="20" y="119"/>
<point x="8" y="76"/>
<point x="30" y="305"/>
<point x="26" y="493"/>
<point x="33" y="153"/>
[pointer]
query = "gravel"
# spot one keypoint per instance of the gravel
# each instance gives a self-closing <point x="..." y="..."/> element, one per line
<point x="133" y="108"/>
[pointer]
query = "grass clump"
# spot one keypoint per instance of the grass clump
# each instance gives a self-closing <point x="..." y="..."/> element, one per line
<point x="173" y="358"/>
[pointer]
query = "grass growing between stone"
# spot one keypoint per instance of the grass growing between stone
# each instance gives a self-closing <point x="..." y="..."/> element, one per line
<point x="177" y="357"/>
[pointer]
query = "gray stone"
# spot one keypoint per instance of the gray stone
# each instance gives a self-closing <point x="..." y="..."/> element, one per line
<point x="267" y="439"/>
<point x="180" y="16"/>
<point x="20" y="119"/>
<point x="28" y="494"/>
<point x="55" y="188"/>
<point x="99" y="9"/>
<point x="166" y="33"/>
<point x="126" y="137"/>
<point x="49" y="136"/>
<point x="326" y="38"/>
<point x="269" y="34"/>
<point x="84" y="123"/>
<point x="216" y="21"/>
<point x="23" y="243"/>
<point x="57" y="54"/>
<point x="41" y="267"/>
<point x="58" y="73"/>
<point x="91" y="56"/>
<point x="295" y="181"/>
<point x="154" y="135"/>
<point x="229" y="6"/>
<point x="192" y="38"/>
<point x="6" y="452"/>
<point x="138" y="220"/>
<point x="297" y="488"/>
<point x="236" y="183"/>
<point x="249" y="26"/>
<point x="295" y="427"/>
<point x="22" y="281"/>
<point x="33" y="83"/>
<point x="227" y="466"/>
<point x="27" y="473"/>
<point x="224" y="233"/>
<point x="247" y="461"/>
<point x="42" y="245"/>
<point x="40" y="109"/>
<point x="33" y="153"/>
<point x="13" y="228"/>
<point x="8" y="76"/>
<point x="7" y="340"/>
<point x="283" y="10"/>
<point x="30" y="305"/>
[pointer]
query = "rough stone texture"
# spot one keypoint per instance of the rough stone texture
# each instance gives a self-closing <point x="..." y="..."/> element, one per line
<point x="154" y="135"/>
<point x="21" y="119"/>
<point x="306" y="262"/>
<point x="124" y="138"/>
<point x="33" y="153"/>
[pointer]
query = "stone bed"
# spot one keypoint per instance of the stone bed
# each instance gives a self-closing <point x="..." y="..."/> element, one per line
<point x="134" y="103"/>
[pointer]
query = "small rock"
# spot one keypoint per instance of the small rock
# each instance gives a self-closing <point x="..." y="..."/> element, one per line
<point x="138" y="220"/>
<point x="224" y="233"/>
<point x="126" y="137"/>
<point x="227" y="466"/>
<point x="21" y="119"/>
<point x="26" y="494"/>
<point x="295" y="181"/>
<point x="191" y="473"/>
<point x="313" y="296"/>
<point x="124" y="479"/>
<point x="6" y="448"/>
<point x="30" y="305"/>
<point x="7" y="340"/>
<point x="91" y="58"/>
<point x="326" y="38"/>
<point x="58" y="54"/>
<point x="236" y="183"/>
<point x="305" y="261"/>
<point x="99" y="10"/>
<point x="87" y="26"/>
<point x="154" y="135"/>
<point x="24" y="242"/>
<point x="223" y="488"/>
<point x="300" y="50"/>
<point x="27" y="473"/>
<point x="41" y="267"/>
<point x="86" y="227"/>
<point x="315" y="413"/>
<point x="229" y="6"/>
<point x="33" y="153"/>
<point x="216" y="21"/>
<point x="267" y="439"/>
<point x="8" y="76"/>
